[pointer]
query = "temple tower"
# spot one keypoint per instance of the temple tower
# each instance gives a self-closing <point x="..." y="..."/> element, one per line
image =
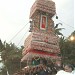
<point x="42" y="41"/>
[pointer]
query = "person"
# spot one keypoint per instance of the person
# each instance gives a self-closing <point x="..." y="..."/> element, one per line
<point x="44" y="71"/>
<point x="62" y="72"/>
<point x="68" y="68"/>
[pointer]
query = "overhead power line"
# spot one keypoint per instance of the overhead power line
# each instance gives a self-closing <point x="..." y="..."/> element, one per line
<point x="66" y="24"/>
<point x="63" y="22"/>
<point x="22" y="37"/>
<point x="18" y="32"/>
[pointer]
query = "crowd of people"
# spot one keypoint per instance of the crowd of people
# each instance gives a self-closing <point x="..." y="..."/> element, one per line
<point x="43" y="69"/>
<point x="36" y="70"/>
<point x="47" y="68"/>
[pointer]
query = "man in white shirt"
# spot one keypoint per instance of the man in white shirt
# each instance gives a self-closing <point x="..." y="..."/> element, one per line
<point x="62" y="72"/>
<point x="68" y="70"/>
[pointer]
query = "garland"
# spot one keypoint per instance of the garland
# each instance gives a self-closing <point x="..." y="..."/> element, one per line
<point x="37" y="59"/>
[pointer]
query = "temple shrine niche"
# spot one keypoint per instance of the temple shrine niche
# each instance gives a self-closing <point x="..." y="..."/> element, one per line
<point x="42" y="41"/>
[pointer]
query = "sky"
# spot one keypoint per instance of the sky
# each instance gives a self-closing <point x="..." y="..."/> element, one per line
<point x="14" y="19"/>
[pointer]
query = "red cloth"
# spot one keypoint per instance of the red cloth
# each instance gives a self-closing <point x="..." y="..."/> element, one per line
<point x="43" y="25"/>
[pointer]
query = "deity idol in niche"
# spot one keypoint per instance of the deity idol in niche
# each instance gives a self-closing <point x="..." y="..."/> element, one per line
<point x="43" y="22"/>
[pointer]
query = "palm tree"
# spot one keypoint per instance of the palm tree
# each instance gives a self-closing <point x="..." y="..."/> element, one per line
<point x="57" y="30"/>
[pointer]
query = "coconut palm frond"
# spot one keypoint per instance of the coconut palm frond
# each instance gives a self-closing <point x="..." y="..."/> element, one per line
<point x="57" y="31"/>
<point x="57" y="25"/>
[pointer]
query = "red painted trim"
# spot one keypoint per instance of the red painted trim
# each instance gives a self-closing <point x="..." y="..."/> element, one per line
<point x="42" y="52"/>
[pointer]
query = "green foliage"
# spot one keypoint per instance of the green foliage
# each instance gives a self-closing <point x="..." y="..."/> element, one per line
<point x="67" y="48"/>
<point x="11" y="57"/>
<point x="57" y="30"/>
<point x="1" y="46"/>
<point x="3" y="71"/>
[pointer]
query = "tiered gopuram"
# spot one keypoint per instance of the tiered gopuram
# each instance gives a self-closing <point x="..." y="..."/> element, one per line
<point x="42" y="41"/>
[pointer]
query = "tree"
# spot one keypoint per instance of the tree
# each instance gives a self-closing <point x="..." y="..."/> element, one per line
<point x="67" y="48"/>
<point x="3" y="71"/>
<point x="57" y="30"/>
<point x="1" y="46"/>
<point x="61" y="45"/>
<point x="11" y="57"/>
